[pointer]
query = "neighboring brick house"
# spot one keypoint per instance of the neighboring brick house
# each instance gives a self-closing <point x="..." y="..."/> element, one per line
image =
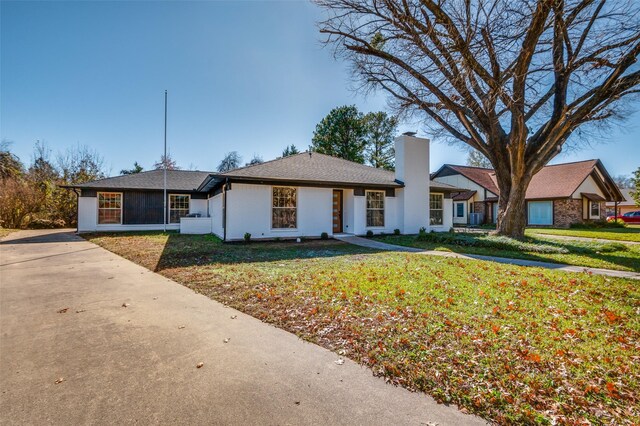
<point x="626" y="206"/>
<point x="558" y="195"/>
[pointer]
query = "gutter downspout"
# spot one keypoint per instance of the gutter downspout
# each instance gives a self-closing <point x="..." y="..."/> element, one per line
<point x="224" y="210"/>
<point x="77" y="210"/>
<point x="615" y="210"/>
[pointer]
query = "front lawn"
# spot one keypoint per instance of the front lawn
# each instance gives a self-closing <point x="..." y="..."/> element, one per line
<point x="613" y="255"/>
<point x="630" y="233"/>
<point x="512" y="344"/>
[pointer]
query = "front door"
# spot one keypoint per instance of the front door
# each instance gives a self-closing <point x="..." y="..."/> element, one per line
<point x="337" y="211"/>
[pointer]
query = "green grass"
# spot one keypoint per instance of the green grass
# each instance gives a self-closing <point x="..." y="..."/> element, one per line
<point x="580" y="253"/>
<point x="631" y="233"/>
<point x="6" y="231"/>
<point x="512" y="344"/>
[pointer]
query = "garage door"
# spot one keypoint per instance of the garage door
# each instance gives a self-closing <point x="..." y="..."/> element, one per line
<point x="540" y="212"/>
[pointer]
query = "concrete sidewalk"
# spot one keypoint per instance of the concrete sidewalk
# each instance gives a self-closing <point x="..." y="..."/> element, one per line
<point x="126" y="342"/>
<point x="365" y="242"/>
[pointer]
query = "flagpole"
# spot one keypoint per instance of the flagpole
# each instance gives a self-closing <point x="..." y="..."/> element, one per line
<point x="164" y="162"/>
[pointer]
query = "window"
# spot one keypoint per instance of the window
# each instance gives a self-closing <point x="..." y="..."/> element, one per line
<point x="594" y="208"/>
<point x="178" y="207"/>
<point x="109" y="208"/>
<point x="540" y="212"/>
<point x="436" y="202"/>
<point x="459" y="209"/>
<point x="375" y="208"/>
<point x="284" y="214"/>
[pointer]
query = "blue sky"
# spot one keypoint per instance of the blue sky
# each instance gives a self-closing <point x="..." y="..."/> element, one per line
<point x="245" y="76"/>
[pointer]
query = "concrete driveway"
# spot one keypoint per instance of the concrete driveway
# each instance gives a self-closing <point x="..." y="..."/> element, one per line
<point x="137" y="363"/>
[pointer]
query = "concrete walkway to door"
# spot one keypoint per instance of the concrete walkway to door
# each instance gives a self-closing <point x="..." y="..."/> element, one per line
<point x="88" y="337"/>
<point x="365" y="242"/>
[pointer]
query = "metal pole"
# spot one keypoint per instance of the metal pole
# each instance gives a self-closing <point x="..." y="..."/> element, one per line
<point x="164" y="166"/>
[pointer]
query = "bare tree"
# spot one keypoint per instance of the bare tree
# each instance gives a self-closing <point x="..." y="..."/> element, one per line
<point x="230" y="161"/>
<point x="168" y="161"/>
<point x="476" y="159"/>
<point x="257" y="159"/>
<point x="512" y="79"/>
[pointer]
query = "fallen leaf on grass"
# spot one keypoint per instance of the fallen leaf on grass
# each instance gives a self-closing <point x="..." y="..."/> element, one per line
<point x="339" y="361"/>
<point x="59" y="380"/>
<point x="124" y="305"/>
<point x="180" y="327"/>
<point x="63" y="310"/>
<point x="234" y="316"/>
<point x="199" y="365"/>
<point x="80" y="311"/>
<point x="227" y="340"/>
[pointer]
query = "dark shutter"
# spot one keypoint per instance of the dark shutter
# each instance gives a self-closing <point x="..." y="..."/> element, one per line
<point x="142" y="208"/>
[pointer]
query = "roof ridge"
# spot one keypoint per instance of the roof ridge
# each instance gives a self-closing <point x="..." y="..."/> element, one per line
<point x="595" y="160"/>
<point x="259" y="164"/>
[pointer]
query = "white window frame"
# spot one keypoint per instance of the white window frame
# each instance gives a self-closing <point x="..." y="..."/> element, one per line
<point x="297" y="190"/>
<point x="441" y="195"/>
<point x="591" y="215"/>
<point x="366" y="209"/>
<point x="169" y="207"/>
<point x="459" y="203"/>
<point x="108" y="208"/>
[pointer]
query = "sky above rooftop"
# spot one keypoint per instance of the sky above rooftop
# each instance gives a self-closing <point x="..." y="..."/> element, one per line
<point x="250" y="77"/>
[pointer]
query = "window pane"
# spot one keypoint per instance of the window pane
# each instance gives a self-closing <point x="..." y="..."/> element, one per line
<point x="375" y="217"/>
<point x="435" y="209"/>
<point x="435" y="201"/>
<point x="540" y="212"/>
<point x="109" y="204"/>
<point x="375" y="208"/>
<point x="460" y="209"/>
<point x="284" y="218"/>
<point x="435" y="217"/>
<point x="178" y="207"/>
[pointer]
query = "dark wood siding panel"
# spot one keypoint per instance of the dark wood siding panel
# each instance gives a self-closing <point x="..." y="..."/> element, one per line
<point x="142" y="207"/>
<point x="88" y="193"/>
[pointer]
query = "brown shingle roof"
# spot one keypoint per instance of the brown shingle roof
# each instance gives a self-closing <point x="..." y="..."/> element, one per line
<point x="555" y="181"/>
<point x="559" y="180"/>
<point x="177" y="180"/>
<point x="481" y="176"/>
<point x="314" y="167"/>
<point x="463" y="196"/>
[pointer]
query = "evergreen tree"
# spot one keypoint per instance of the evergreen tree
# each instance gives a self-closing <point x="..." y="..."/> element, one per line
<point x="290" y="150"/>
<point x="341" y="134"/>
<point x="137" y="168"/>
<point x="380" y="130"/>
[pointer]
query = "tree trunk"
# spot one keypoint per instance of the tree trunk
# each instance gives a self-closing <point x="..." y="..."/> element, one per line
<point x="512" y="214"/>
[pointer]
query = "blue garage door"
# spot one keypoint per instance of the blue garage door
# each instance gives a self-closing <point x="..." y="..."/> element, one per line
<point x="540" y="212"/>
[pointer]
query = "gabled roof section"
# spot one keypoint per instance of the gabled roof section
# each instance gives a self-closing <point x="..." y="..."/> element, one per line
<point x="313" y="167"/>
<point x="554" y="181"/>
<point x="628" y="199"/>
<point x="483" y="177"/>
<point x="177" y="180"/>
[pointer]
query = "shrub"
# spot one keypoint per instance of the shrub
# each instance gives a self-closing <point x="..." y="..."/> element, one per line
<point x="598" y="224"/>
<point x="369" y="233"/>
<point x="247" y="237"/>
<point x="422" y="231"/>
<point x="324" y="236"/>
<point x="396" y="231"/>
<point x="46" y="224"/>
<point x="489" y="241"/>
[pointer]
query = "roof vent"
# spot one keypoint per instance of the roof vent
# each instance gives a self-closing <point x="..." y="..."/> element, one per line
<point x="410" y="133"/>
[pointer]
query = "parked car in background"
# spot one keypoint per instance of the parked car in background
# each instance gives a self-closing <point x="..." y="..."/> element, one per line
<point x="629" y="217"/>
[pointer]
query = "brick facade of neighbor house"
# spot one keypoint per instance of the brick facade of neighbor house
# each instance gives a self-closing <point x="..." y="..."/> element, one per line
<point x="566" y="212"/>
<point x="479" y="207"/>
